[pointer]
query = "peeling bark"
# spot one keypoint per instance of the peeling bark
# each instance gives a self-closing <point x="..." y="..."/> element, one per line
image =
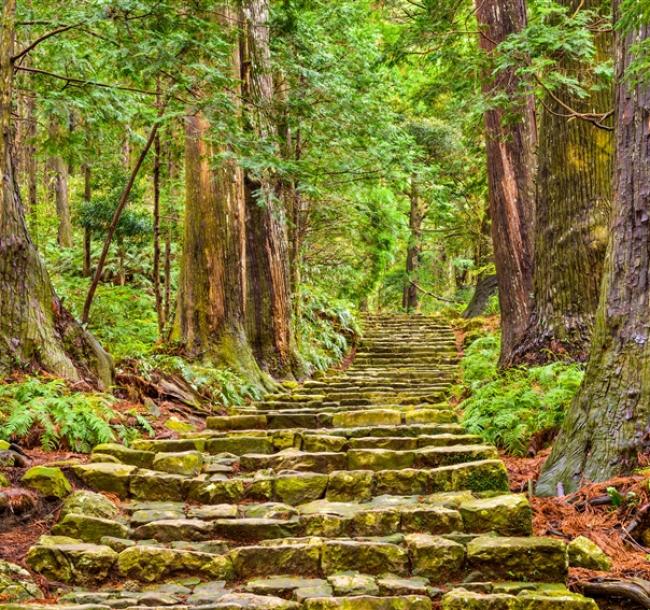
<point x="269" y="292"/>
<point x="510" y="143"/>
<point x="608" y="424"/>
<point x="211" y="298"/>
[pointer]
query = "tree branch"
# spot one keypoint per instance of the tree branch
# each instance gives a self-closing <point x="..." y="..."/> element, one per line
<point x="124" y="198"/>
<point x="82" y="83"/>
<point x="42" y="38"/>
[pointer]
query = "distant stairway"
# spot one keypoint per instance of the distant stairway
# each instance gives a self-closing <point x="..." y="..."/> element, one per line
<point x="359" y="491"/>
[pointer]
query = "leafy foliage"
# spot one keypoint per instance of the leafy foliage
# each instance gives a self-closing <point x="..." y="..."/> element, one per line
<point x="219" y="386"/>
<point x="508" y="408"/>
<point x="326" y="331"/>
<point x="61" y="418"/>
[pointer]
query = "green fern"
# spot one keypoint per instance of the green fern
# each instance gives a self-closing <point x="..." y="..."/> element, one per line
<point x="60" y="417"/>
<point x="507" y="409"/>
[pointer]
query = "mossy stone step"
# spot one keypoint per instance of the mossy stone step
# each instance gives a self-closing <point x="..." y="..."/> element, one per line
<point x="291" y="488"/>
<point x="435" y="557"/>
<point x="460" y="599"/>
<point x="344" y="419"/>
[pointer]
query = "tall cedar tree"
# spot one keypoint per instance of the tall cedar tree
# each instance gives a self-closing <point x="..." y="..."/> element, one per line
<point x="35" y="330"/>
<point x="607" y="425"/>
<point x="269" y="287"/>
<point x="211" y="295"/>
<point x="572" y="212"/>
<point x="417" y="213"/>
<point x="510" y="141"/>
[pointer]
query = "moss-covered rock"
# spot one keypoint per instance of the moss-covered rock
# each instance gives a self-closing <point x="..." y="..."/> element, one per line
<point x="460" y="599"/>
<point x="527" y="559"/>
<point x="151" y="563"/>
<point x="88" y="528"/>
<point x="187" y="463"/>
<point x="508" y="515"/>
<point x="372" y="417"/>
<point x="430" y="520"/>
<point x="239" y="445"/>
<point x="296" y="559"/>
<point x="434" y="557"/>
<point x="323" y="442"/>
<point x="175" y="529"/>
<point x="350" y="485"/>
<point x="365" y="557"/>
<point x="282" y="586"/>
<point x="154" y="485"/>
<point x="214" y="492"/>
<point x="113" y="478"/>
<point x="299" y="488"/>
<point x="72" y="563"/>
<point x="89" y="503"/>
<point x="353" y="583"/>
<point x="126" y="455"/>
<point x="376" y="522"/>
<point x="48" y="481"/>
<point x="16" y="584"/>
<point x="584" y="553"/>
<point x="380" y="459"/>
<point x="366" y="602"/>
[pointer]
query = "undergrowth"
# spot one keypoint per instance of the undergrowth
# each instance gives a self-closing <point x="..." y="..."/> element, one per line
<point x="507" y="409"/>
<point x="46" y="412"/>
<point x="326" y="331"/>
<point x="215" y="385"/>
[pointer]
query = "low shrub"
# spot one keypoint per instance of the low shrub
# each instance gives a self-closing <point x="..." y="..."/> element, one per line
<point x="508" y="408"/>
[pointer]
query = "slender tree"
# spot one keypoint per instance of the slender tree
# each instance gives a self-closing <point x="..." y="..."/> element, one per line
<point x="59" y="177"/>
<point x="510" y="142"/>
<point x="572" y="212"/>
<point x="417" y="213"/>
<point x="35" y="330"/>
<point x="269" y="291"/>
<point x="607" y="425"/>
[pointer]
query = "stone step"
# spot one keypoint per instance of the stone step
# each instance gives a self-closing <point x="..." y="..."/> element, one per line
<point x="529" y="598"/>
<point x="291" y="487"/>
<point x="366" y="459"/>
<point x="409" y="403"/>
<point x="438" y="558"/>
<point x="308" y="442"/>
<point x="222" y="527"/>
<point x="334" y="419"/>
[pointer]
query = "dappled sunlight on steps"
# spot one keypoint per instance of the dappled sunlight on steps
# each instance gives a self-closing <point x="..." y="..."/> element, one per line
<point x="359" y="491"/>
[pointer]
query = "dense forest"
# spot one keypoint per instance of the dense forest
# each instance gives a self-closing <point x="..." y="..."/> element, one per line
<point x="208" y="206"/>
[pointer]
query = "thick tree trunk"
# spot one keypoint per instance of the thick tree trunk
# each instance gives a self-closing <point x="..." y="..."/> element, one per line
<point x="607" y="425"/>
<point x="35" y="330"/>
<point x="510" y="142"/>
<point x="269" y="295"/>
<point x="60" y="187"/>
<point x="210" y="311"/>
<point x="573" y="202"/>
<point x="410" y="300"/>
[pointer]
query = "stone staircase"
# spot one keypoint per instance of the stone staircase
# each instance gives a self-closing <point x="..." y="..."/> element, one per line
<point x="359" y="491"/>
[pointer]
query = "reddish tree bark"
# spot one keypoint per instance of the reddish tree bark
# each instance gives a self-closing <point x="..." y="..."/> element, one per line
<point x="269" y="292"/>
<point x="510" y="142"/>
